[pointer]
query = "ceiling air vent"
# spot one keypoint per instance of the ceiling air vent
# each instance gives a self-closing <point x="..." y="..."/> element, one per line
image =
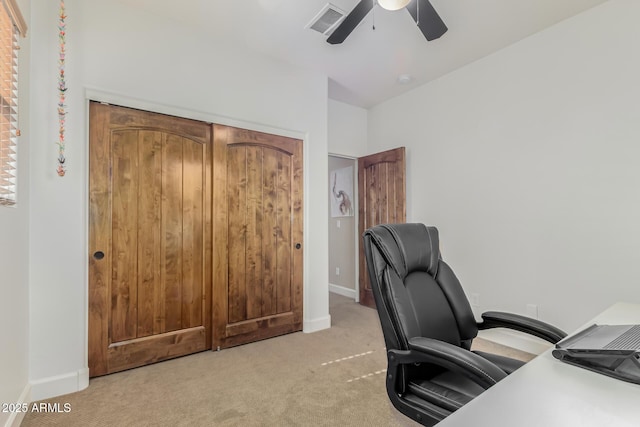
<point x="326" y="20"/>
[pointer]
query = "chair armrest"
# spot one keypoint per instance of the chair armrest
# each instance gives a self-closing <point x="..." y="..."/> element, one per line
<point x="538" y="328"/>
<point x="456" y="359"/>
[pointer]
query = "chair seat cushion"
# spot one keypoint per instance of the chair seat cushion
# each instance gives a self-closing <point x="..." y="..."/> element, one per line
<point x="447" y="390"/>
<point x="507" y="364"/>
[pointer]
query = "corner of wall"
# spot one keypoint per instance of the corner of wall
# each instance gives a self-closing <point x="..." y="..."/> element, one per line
<point x="341" y="290"/>
<point x="315" y="325"/>
<point x="58" y="385"/>
<point x="15" y="418"/>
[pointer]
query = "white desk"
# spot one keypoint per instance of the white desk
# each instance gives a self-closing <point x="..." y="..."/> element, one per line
<point x="547" y="392"/>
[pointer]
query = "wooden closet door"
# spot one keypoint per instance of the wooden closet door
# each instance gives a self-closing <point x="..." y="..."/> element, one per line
<point x="257" y="288"/>
<point x="381" y="199"/>
<point x="150" y="246"/>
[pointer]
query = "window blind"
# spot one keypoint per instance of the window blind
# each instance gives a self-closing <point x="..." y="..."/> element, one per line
<point x="11" y="25"/>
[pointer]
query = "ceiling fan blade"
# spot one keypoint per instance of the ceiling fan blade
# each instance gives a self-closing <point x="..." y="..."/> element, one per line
<point x="350" y="22"/>
<point x="429" y="21"/>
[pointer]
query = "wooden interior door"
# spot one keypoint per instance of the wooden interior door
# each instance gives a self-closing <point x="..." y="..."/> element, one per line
<point x="150" y="246"/>
<point x="257" y="288"/>
<point x="381" y="199"/>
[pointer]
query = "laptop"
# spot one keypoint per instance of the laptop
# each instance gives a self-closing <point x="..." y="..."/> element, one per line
<point x="612" y="350"/>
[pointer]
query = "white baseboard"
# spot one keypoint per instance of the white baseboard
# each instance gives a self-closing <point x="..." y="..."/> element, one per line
<point x="15" y="418"/>
<point x="315" y="325"/>
<point x="83" y="378"/>
<point x="341" y="290"/>
<point x="515" y="339"/>
<point x="58" y="385"/>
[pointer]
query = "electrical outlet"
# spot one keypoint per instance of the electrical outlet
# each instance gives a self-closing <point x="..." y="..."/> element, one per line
<point x="337" y="271"/>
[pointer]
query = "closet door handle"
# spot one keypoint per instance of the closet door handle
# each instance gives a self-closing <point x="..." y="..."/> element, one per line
<point x="298" y="245"/>
<point x="98" y="255"/>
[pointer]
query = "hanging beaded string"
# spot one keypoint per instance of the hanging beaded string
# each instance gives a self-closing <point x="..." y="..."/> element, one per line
<point x="62" y="89"/>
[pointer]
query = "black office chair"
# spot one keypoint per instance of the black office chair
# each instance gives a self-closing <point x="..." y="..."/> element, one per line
<point x="428" y="325"/>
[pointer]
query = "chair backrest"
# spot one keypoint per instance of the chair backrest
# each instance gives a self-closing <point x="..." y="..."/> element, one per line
<point x="416" y="292"/>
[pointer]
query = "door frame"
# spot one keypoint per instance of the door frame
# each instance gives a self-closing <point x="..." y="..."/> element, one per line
<point x="356" y="202"/>
<point x="90" y="94"/>
<point x="356" y="237"/>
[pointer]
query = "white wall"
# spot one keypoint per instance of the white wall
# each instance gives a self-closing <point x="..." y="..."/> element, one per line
<point x="347" y="135"/>
<point x="119" y="53"/>
<point x="14" y="266"/>
<point x="527" y="162"/>
<point x="347" y="130"/>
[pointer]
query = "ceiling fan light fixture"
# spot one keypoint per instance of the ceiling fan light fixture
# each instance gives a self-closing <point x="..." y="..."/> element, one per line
<point x="393" y="4"/>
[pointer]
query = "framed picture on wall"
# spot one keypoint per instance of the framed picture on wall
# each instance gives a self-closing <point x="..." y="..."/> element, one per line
<point x="341" y="184"/>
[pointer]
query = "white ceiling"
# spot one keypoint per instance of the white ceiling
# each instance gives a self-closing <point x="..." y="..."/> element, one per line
<point x="363" y="70"/>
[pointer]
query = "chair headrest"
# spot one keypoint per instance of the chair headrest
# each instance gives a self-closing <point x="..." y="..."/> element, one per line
<point x="407" y="247"/>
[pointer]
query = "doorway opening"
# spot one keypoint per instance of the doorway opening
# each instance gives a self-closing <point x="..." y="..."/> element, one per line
<point x="343" y="226"/>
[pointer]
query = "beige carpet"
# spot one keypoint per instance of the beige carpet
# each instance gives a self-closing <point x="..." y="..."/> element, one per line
<point x="333" y="377"/>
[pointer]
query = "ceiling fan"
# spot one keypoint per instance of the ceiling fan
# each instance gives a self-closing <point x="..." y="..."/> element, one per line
<point x="421" y="11"/>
